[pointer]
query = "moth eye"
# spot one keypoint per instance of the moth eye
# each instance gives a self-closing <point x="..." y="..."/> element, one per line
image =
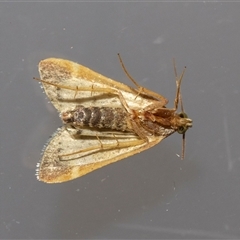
<point x="183" y="115"/>
<point x="182" y="129"/>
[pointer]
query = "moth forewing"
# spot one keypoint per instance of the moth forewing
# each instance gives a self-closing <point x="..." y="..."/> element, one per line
<point x="56" y="168"/>
<point x="76" y="78"/>
<point x="105" y="121"/>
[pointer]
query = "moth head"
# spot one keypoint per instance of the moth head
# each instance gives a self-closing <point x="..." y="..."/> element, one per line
<point x="184" y="123"/>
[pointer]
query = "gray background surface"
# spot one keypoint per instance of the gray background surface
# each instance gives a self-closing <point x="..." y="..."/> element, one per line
<point x="150" y="195"/>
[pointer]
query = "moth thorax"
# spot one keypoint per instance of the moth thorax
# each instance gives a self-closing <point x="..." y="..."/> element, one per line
<point x="97" y="117"/>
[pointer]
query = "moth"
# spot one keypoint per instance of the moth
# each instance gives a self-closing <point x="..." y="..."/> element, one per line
<point x="104" y="121"/>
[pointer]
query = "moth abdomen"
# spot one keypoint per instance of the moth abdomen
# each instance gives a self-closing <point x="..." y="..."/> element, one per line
<point x="98" y="117"/>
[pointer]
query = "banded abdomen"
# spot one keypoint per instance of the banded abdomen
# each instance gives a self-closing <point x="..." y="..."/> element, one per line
<point x="98" y="117"/>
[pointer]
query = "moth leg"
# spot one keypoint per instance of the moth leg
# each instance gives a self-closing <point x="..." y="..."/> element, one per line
<point x="77" y="88"/>
<point x="138" y="130"/>
<point x="75" y="133"/>
<point x="103" y="146"/>
<point x="115" y="92"/>
<point x="112" y="91"/>
<point x="91" y="89"/>
<point x="116" y="140"/>
<point x="154" y="106"/>
<point x="162" y="100"/>
<point x="142" y="90"/>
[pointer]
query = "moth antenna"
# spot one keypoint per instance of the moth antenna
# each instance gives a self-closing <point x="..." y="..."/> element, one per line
<point x="178" y="99"/>
<point x="181" y="102"/>
<point x="175" y="68"/>
<point x="178" y="84"/>
<point x="183" y="136"/>
<point x="183" y="146"/>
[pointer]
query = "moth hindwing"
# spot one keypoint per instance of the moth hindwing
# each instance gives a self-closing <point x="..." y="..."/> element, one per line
<point x="104" y="120"/>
